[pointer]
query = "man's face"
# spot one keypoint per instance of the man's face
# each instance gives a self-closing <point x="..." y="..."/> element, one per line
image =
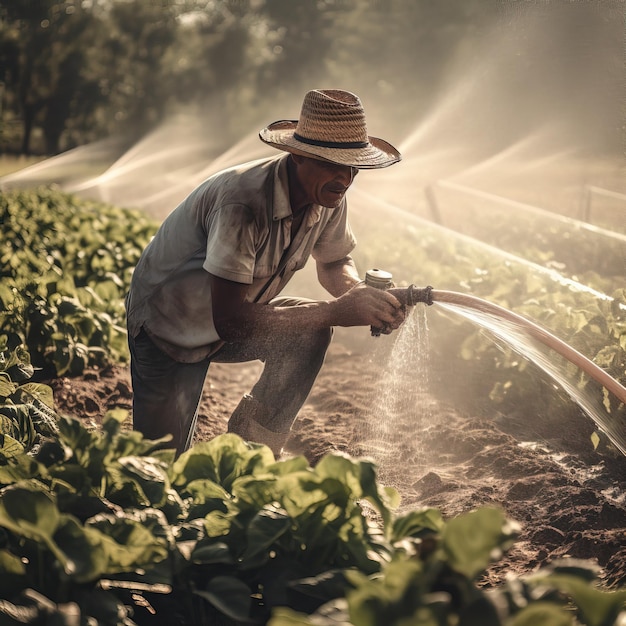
<point x="324" y="183"/>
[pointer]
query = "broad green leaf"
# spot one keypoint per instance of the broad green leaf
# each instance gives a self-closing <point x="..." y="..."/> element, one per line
<point x="473" y="540"/>
<point x="150" y="474"/>
<point x="303" y="493"/>
<point x="43" y="419"/>
<point x="62" y="355"/>
<point x="222" y="460"/>
<point x="18" y="423"/>
<point x="288" y="466"/>
<point x="229" y="595"/>
<point x="359" y="477"/>
<point x="263" y="531"/>
<point x="127" y="543"/>
<point x="28" y="512"/>
<point x="108" y="290"/>
<point x="7" y="296"/>
<point x="7" y="386"/>
<point x="255" y="491"/>
<point x="11" y="564"/>
<point x="204" y="489"/>
<point x="117" y="414"/>
<point x="539" y="613"/>
<point x="374" y="600"/>
<point x="39" y="391"/>
<point x="8" y="426"/>
<point x="33" y="514"/>
<point x="75" y="435"/>
<point x="83" y="545"/>
<point x="344" y="469"/>
<point x="21" y="467"/>
<point x="383" y="498"/>
<point x="206" y="496"/>
<point x="9" y="449"/>
<point x="217" y="524"/>
<point x="598" y="607"/>
<point x="417" y="523"/>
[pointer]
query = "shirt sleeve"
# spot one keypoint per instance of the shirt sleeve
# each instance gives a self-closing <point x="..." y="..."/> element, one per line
<point x="336" y="239"/>
<point x="230" y="249"/>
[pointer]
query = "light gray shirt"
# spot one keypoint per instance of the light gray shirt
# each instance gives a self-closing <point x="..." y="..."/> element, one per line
<point x="235" y="225"/>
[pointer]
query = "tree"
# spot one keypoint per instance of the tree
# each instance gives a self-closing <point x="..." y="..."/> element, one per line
<point x="45" y="40"/>
<point x="131" y="59"/>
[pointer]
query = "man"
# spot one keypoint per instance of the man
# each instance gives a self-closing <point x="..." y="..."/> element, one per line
<point x="206" y="287"/>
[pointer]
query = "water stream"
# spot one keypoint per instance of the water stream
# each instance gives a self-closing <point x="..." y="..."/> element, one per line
<point x="402" y="408"/>
<point x="493" y="311"/>
<point x="409" y="358"/>
<point x="400" y="405"/>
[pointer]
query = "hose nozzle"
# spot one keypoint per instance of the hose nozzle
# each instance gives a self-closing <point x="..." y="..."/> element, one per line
<point x="408" y="296"/>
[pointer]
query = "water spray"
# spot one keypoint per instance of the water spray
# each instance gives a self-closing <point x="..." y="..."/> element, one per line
<point x="538" y="332"/>
<point x="410" y="296"/>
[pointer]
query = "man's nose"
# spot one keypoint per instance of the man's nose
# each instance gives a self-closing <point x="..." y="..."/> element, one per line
<point x="349" y="172"/>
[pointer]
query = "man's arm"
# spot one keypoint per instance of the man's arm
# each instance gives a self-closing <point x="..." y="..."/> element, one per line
<point x="339" y="276"/>
<point x="236" y="318"/>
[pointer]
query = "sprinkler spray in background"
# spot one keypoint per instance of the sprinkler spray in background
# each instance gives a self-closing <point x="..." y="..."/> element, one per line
<point x="409" y="296"/>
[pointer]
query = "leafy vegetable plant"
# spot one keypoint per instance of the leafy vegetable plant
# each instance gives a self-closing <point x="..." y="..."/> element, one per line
<point x="103" y="526"/>
<point x="65" y="267"/>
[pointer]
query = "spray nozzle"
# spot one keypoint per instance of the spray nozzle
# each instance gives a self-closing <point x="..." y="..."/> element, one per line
<point x="409" y="296"/>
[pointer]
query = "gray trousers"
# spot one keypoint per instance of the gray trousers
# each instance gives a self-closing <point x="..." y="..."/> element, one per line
<point x="167" y="393"/>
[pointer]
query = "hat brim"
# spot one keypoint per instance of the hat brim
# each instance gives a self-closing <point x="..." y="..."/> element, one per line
<point x="376" y="154"/>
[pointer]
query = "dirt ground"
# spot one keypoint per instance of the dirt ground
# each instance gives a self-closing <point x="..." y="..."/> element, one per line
<point x="569" y="499"/>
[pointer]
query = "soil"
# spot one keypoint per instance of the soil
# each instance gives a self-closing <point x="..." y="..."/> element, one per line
<point x="569" y="499"/>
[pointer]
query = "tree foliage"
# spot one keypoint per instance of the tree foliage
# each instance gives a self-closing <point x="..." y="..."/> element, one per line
<point x="45" y="48"/>
<point x="75" y="71"/>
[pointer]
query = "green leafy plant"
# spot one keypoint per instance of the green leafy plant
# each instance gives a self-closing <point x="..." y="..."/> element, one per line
<point x="65" y="266"/>
<point x="102" y="524"/>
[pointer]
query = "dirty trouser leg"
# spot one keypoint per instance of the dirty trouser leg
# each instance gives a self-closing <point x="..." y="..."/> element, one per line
<point x="292" y="363"/>
<point x="166" y="393"/>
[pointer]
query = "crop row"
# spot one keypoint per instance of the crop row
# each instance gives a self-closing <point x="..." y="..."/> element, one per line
<point x="65" y="267"/>
<point x="577" y="250"/>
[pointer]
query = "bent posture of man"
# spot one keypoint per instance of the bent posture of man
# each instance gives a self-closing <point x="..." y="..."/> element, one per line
<point x="206" y="287"/>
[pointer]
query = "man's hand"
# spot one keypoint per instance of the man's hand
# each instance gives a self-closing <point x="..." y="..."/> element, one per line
<point x="368" y="306"/>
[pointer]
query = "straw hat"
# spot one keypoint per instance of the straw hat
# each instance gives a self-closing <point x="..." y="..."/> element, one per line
<point x="331" y="128"/>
